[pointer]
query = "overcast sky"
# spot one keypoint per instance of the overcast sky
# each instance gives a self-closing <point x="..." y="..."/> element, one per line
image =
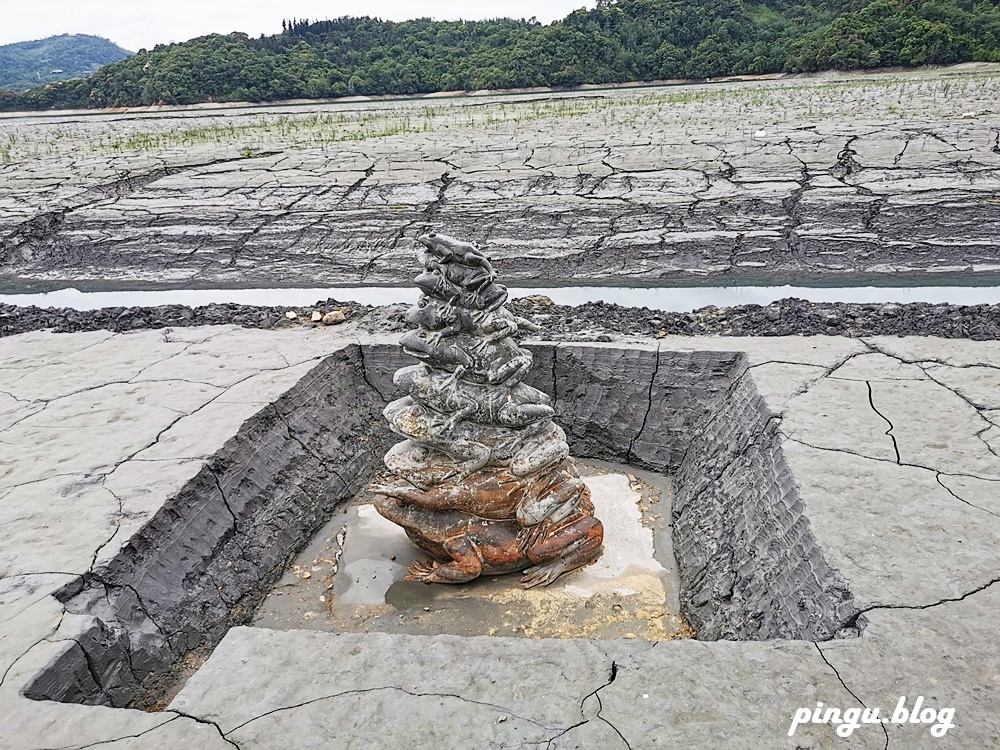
<point x="134" y="24"/>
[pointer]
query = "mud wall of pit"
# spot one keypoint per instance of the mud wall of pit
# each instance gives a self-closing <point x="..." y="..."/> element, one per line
<point x="210" y="553"/>
<point x="750" y="567"/>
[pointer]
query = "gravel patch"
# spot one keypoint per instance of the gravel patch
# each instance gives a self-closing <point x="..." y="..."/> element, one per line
<point x="597" y="321"/>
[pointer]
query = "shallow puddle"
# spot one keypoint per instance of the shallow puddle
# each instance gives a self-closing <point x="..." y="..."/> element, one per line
<point x="669" y="299"/>
<point x="351" y="578"/>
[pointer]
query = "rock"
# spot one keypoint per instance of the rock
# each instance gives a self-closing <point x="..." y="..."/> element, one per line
<point x="332" y="318"/>
<point x="291" y="315"/>
<point x="316" y="316"/>
<point x="538" y="299"/>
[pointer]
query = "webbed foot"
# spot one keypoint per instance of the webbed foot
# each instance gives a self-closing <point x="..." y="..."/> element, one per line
<point x="529" y="536"/>
<point x="422" y="571"/>
<point x="564" y="548"/>
<point x="543" y="575"/>
<point x="465" y="565"/>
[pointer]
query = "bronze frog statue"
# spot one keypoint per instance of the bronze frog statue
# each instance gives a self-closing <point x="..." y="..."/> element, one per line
<point x="485" y="481"/>
<point x="494" y="523"/>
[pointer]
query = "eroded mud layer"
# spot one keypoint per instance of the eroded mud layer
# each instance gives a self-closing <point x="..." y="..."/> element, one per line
<point x="822" y="178"/>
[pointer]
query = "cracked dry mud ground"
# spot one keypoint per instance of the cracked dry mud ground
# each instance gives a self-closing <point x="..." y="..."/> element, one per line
<point x="893" y="442"/>
<point x="824" y="179"/>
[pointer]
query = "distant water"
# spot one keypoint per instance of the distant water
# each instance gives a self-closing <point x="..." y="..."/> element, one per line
<point x="674" y="299"/>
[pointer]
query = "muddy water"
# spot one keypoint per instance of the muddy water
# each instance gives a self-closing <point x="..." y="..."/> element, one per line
<point x="351" y="578"/>
<point x="671" y="299"/>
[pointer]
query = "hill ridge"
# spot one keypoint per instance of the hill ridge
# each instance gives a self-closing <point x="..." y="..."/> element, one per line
<point x="27" y="64"/>
<point x="616" y="42"/>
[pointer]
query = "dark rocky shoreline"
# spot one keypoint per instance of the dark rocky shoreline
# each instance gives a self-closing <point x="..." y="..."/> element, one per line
<point x="594" y="321"/>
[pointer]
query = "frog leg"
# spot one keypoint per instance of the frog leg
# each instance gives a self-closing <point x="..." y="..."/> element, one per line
<point x="527" y="325"/>
<point x="452" y="379"/>
<point x="434" y="337"/>
<point x="564" y="547"/>
<point x="421" y="570"/>
<point x="473" y="455"/>
<point x="514" y="368"/>
<point x="554" y="505"/>
<point x="466" y="564"/>
<point x="474" y="257"/>
<point x="448" y="311"/>
<point x="506" y="329"/>
<point x="513" y="414"/>
<point x="468" y="408"/>
<point x="501" y="327"/>
<point x="442" y="497"/>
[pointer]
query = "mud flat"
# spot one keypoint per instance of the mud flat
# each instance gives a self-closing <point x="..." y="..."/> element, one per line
<point x="834" y="524"/>
<point x="829" y="179"/>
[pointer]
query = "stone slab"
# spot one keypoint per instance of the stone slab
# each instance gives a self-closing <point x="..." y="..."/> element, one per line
<point x="935" y="653"/>
<point x="898" y="535"/>
<point x="338" y="690"/>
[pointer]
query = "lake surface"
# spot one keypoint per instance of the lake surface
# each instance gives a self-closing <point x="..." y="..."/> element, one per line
<point x="674" y="299"/>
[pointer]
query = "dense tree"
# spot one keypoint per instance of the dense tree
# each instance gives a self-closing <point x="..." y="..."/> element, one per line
<point x="617" y="41"/>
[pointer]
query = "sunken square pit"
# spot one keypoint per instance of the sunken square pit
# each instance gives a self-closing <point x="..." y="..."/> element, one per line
<point x="733" y="556"/>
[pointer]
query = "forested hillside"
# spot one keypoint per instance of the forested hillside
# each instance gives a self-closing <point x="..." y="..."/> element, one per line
<point x="618" y="41"/>
<point x="25" y="65"/>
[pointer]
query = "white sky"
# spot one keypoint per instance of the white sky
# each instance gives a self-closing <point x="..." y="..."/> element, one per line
<point x="134" y="24"/>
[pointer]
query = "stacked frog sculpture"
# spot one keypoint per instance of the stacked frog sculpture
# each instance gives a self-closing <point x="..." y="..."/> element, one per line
<point x="485" y="484"/>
